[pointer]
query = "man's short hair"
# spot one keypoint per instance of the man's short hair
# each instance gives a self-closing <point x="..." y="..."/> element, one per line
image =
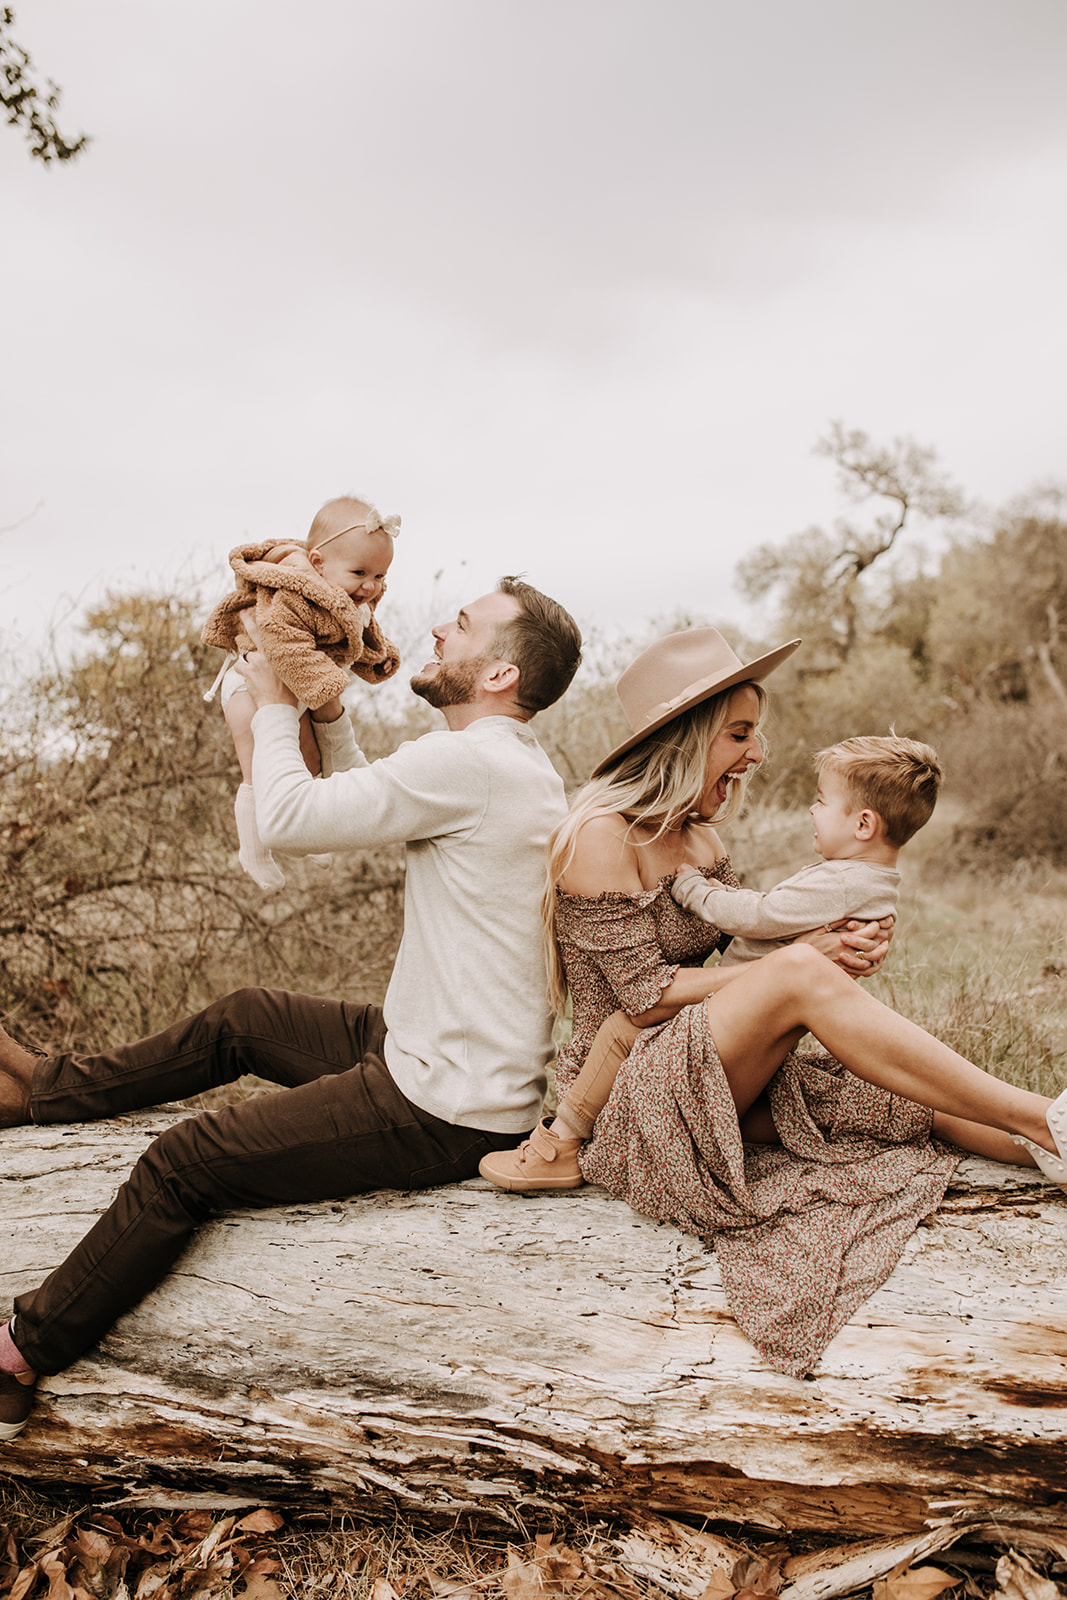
<point x="543" y="641"/>
<point x="896" y="777"/>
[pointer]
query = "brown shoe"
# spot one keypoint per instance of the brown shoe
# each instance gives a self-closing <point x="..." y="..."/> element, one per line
<point x="16" y="1402"/>
<point x="16" y="1080"/>
<point x="543" y="1161"/>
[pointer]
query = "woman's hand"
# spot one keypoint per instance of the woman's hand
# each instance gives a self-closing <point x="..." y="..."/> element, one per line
<point x="263" y="683"/>
<point x="858" y="948"/>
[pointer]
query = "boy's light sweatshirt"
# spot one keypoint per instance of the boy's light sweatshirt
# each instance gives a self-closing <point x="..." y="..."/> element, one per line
<point x="825" y="892"/>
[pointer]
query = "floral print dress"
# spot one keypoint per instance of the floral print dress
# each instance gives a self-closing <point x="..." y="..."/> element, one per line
<point x="804" y="1232"/>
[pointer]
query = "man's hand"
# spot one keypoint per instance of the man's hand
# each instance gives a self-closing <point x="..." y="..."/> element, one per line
<point x="858" y="948"/>
<point x="264" y="684"/>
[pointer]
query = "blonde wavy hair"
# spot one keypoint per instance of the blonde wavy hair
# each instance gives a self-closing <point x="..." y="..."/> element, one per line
<point x="657" y="785"/>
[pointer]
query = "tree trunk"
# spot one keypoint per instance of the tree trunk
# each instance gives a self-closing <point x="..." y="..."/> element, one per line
<point x="469" y="1353"/>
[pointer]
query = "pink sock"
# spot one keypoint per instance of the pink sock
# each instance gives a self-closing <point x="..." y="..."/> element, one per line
<point x="11" y="1357"/>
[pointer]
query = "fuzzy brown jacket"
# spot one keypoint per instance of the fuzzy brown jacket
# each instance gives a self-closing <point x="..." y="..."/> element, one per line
<point x="311" y="630"/>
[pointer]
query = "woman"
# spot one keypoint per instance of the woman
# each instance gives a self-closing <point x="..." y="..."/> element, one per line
<point x="811" y="1177"/>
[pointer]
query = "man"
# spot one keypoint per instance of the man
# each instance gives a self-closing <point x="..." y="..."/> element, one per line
<point x="405" y="1096"/>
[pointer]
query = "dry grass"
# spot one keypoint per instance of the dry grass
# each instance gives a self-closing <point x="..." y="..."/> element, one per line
<point x="78" y="1553"/>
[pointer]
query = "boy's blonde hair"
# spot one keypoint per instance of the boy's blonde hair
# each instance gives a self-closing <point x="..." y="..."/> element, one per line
<point x="896" y="777"/>
<point x="656" y="784"/>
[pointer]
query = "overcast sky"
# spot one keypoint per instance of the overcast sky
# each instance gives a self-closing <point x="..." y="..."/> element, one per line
<point x="573" y="286"/>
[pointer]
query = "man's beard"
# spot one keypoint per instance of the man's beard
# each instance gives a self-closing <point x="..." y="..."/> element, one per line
<point x="454" y="684"/>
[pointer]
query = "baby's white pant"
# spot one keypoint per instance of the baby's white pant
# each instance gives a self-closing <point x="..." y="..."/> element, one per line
<point x="233" y="683"/>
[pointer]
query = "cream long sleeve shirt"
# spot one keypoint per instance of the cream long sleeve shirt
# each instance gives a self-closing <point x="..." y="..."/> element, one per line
<point x="469" y="1025"/>
<point x="827" y="891"/>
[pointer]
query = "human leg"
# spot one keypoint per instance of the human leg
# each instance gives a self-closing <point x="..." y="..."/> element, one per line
<point x="756" y="1019"/>
<point x="289" y="1039"/>
<point x="588" y="1094"/>
<point x="239" y="708"/>
<point x="342" y="1133"/>
<point x="256" y="860"/>
<point x="548" y="1159"/>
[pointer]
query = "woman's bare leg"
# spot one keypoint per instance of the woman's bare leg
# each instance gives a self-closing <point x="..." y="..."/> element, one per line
<point x="758" y="1018"/>
<point x="981" y="1141"/>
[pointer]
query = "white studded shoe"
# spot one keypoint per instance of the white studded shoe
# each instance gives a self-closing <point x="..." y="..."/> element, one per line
<point x="1053" y="1166"/>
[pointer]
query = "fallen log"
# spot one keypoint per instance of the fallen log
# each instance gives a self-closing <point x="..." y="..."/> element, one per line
<point x="469" y="1353"/>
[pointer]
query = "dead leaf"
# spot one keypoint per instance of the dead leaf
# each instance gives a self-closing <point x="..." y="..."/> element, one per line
<point x="914" y="1583"/>
<point x="91" y="1550"/>
<point x="755" y="1576"/>
<point x="25" y="1581"/>
<point x="201" y="1556"/>
<point x="1019" y="1579"/>
<point x="382" y="1589"/>
<point x="260" y="1587"/>
<point x="52" y="1537"/>
<point x="719" y="1587"/>
<point x="53" y="1567"/>
<point x="150" y="1583"/>
<point x="450" y="1589"/>
<point x="262" y="1521"/>
<point x="523" y="1579"/>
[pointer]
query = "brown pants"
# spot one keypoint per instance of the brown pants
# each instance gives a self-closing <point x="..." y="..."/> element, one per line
<point x="588" y="1094"/>
<point x="342" y="1127"/>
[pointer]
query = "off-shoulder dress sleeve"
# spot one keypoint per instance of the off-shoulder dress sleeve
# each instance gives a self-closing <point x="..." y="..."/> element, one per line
<point x="617" y="934"/>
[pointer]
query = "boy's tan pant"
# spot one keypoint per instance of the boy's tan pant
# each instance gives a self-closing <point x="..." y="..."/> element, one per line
<point x="588" y="1094"/>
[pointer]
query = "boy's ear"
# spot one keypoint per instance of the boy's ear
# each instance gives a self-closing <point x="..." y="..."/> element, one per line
<point x="316" y="559"/>
<point x="868" y="824"/>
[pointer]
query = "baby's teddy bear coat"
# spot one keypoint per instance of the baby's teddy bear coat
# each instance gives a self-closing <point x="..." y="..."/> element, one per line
<point x="311" y="631"/>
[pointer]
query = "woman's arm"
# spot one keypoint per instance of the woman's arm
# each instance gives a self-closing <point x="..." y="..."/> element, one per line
<point x="688" y="988"/>
<point x="606" y="860"/>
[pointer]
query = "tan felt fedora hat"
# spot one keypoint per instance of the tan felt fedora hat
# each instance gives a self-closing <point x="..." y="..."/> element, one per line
<point x="678" y="672"/>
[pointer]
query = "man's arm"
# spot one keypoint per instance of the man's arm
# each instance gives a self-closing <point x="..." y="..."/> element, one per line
<point x="426" y="789"/>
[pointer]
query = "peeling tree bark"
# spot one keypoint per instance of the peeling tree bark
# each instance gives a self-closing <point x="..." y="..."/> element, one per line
<point x="469" y="1353"/>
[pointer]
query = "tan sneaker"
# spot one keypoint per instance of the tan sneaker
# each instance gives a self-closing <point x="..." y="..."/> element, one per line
<point x="543" y="1161"/>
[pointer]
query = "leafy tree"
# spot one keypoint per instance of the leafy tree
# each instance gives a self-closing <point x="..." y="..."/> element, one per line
<point x="997" y="645"/>
<point x="999" y="624"/>
<point x="818" y="576"/>
<point x="28" y="105"/>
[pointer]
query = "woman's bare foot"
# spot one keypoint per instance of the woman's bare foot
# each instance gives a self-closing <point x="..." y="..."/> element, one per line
<point x="16" y="1081"/>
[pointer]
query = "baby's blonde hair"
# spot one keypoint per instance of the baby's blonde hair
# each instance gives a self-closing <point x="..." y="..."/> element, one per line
<point x="657" y="784"/>
<point x="345" y="511"/>
<point x="896" y="777"/>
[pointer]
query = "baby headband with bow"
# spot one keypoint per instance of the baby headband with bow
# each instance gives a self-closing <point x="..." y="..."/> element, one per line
<point x="375" y="523"/>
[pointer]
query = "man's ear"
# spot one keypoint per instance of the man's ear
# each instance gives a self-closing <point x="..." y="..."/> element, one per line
<point x="503" y="679"/>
